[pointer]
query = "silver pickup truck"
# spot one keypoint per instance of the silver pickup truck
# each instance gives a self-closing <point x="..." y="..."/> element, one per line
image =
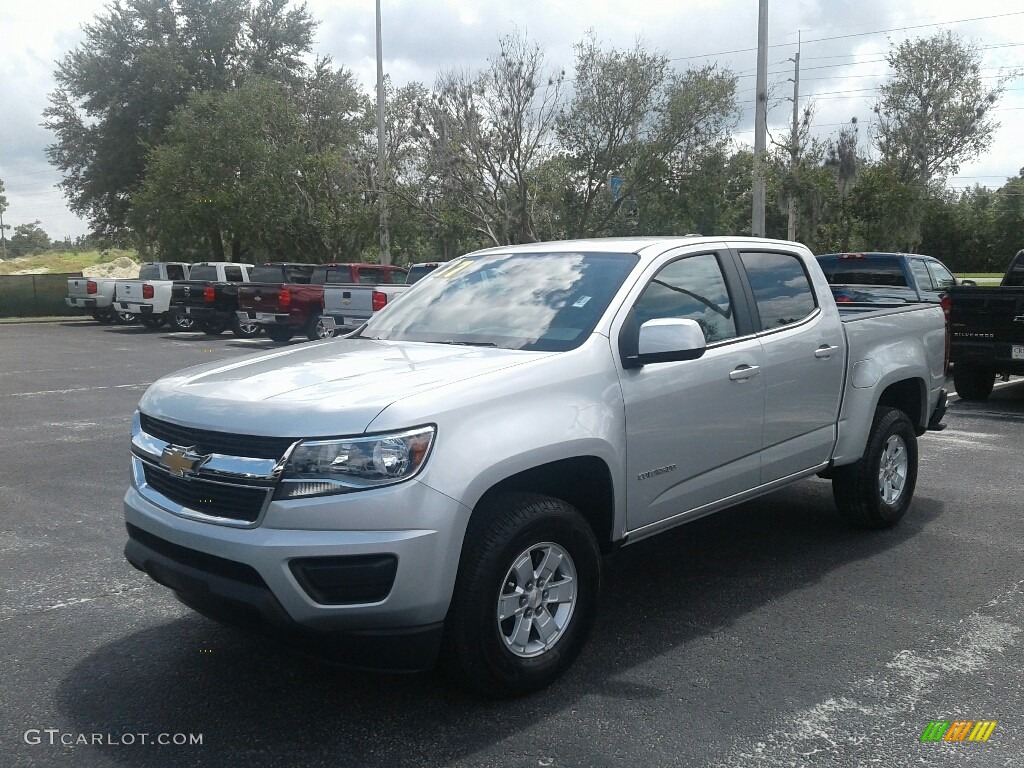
<point x="444" y="481"/>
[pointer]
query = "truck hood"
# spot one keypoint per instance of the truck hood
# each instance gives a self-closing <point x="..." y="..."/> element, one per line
<point x="329" y="388"/>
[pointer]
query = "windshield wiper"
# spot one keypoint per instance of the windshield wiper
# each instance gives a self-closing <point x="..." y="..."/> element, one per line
<point x="468" y="343"/>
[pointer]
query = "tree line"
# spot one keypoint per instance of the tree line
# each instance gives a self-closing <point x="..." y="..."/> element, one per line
<point x="207" y="130"/>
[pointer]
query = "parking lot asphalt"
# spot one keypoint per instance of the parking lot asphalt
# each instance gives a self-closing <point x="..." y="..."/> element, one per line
<point x="767" y="635"/>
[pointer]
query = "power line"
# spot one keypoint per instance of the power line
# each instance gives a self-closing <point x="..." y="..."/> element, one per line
<point x="853" y="34"/>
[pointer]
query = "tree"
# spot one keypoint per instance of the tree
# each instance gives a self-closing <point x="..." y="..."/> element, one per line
<point x="262" y="170"/>
<point x="483" y="135"/>
<point x="140" y="60"/>
<point x="29" y="239"/>
<point x="934" y="112"/>
<point x="634" y="118"/>
<point x="3" y="227"/>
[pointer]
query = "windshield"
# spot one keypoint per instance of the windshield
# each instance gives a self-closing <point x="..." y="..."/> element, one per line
<point x="203" y="272"/>
<point x="529" y="301"/>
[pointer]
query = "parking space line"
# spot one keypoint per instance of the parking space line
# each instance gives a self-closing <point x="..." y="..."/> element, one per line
<point x="72" y="391"/>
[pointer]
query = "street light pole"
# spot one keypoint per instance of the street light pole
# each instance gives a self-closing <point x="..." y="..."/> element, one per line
<point x="382" y="199"/>
<point x="757" y="228"/>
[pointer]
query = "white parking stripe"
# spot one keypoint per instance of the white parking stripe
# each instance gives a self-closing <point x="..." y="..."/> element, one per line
<point x="875" y="715"/>
<point x="71" y="391"/>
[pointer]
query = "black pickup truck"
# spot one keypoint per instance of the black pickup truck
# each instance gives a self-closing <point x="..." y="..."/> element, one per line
<point x="987" y="325"/>
<point x="209" y="298"/>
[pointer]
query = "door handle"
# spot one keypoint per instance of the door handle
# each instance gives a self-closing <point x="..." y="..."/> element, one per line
<point x="744" y="372"/>
<point x="824" y="352"/>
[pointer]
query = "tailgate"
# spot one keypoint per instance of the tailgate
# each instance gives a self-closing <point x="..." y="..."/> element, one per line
<point x="190" y="293"/>
<point x="988" y="314"/>
<point x="77" y="287"/>
<point x="259" y="298"/>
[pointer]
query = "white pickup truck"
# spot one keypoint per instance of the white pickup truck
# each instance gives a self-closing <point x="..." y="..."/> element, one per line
<point x="444" y="481"/>
<point x="96" y="296"/>
<point x="149" y="297"/>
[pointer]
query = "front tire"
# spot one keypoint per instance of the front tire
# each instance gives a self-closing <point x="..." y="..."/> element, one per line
<point x="214" y="327"/>
<point x="876" y="491"/>
<point x="104" y="316"/>
<point x="525" y="595"/>
<point x="181" y="323"/>
<point x="973" y="382"/>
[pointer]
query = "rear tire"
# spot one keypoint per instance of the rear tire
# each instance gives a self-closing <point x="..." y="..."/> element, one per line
<point x="973" y="382"/>
<point x="876" y="491"/>
<point x="525" y="595"/>
<point x="181" y="323"/>
<point x="315" y="329"/>
<point x="279" y="333"/>
<point x="244" y="330"/>
<point x="104" y="316"/>
<point x="125" y="318"/>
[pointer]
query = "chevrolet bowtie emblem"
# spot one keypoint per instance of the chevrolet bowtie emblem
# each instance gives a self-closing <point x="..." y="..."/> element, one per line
<point x="257" y="297"/>
<point x="180" y="461"/>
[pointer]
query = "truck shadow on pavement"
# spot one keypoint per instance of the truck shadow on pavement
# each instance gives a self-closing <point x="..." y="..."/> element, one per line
<point x="257" y="704"/>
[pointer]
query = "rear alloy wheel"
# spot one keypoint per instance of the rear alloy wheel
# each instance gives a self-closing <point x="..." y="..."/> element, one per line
<point x="525" y="595"/>
<point x="151" y="322"/>
<point x="182" y="323"/>
<point x="244" y="330"/>
<point x="973" y="382"/>
<point x="876" y="491"/>
<point x="279" y="333"/>
<point x="104" y="316"/>
<point x="125" y="318"/>
<point x="316" y="330"/>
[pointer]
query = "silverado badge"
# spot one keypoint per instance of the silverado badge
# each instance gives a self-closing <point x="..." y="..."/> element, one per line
<point x="180" y="461"/>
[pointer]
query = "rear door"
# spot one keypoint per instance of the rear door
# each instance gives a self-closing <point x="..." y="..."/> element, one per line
<point x="693" y="428"/>
<point x="804" y="361"/>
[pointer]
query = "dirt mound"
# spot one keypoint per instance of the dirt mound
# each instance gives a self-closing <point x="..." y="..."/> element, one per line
<point x="121" y="267"/>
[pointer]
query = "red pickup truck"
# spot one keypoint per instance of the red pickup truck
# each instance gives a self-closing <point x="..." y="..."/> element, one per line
<point x="288" y="308"/>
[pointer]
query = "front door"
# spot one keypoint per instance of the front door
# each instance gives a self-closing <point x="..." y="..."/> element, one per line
<point x="694" y="428"/>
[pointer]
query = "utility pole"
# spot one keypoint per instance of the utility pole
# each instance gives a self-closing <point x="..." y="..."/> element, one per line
<point x="382" y="198"/>
<point x="794" y="142"/>
<point x="3" y="235"/>
<point x="760" y="120"/>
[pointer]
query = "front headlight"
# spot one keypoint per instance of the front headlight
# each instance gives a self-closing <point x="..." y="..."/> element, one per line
<point x="321" y="467"/>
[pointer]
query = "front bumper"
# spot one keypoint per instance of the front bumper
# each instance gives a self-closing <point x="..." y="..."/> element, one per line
<point x="249" y="576"/>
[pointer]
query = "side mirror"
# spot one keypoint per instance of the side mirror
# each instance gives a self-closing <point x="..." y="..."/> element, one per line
<point x="969" y="283"/>
<point x="668" y="340"/>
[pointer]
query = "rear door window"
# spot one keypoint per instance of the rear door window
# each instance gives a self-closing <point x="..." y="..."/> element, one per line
<point x="921" y="274"/>
<point x="1015" y="274"/>
<point x="782" y="289"/>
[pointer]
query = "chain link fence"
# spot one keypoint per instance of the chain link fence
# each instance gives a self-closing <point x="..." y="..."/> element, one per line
<point x="35" y="295"/>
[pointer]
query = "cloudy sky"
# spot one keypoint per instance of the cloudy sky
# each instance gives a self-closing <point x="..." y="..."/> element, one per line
<point x="842" y="60"/>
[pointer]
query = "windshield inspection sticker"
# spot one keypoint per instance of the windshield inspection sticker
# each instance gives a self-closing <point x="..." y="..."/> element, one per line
<point x="581" y="302"/>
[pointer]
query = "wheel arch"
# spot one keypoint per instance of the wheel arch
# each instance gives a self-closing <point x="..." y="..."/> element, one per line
<point x="585" y="482"/>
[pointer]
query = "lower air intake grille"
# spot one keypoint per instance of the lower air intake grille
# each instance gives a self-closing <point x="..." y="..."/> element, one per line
<point x="233" y="502"/>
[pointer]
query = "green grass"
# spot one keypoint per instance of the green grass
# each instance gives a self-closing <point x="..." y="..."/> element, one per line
<point x="973" y="275"/>
<point x="63" y="261"/>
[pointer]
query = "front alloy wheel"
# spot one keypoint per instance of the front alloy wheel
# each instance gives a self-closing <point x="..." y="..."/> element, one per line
<point x="525" y="594"/>
<point x="537" y="600"/>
